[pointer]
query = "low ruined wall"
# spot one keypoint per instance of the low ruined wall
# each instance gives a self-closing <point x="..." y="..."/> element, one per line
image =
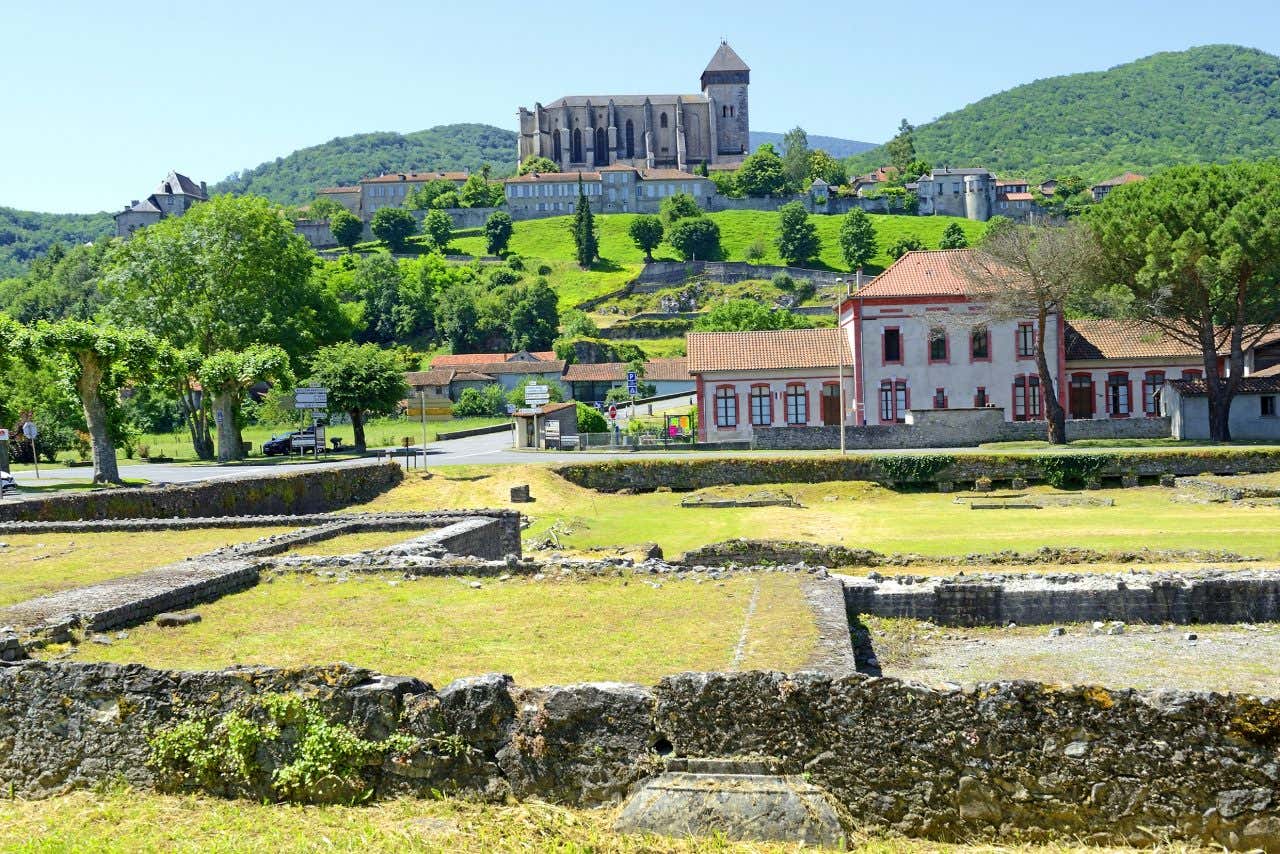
<point x="313" y="490"/>
<point x="657" y="275"/>
<point x="647" y="475"/>
<point x="1006" y="759"/>
<point x="1245" y="596"/>
<point x="951" y="429"/>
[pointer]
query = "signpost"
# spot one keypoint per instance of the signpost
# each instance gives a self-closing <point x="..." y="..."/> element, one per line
<point x="311" y="398"/>
<point x="633" y="384"/>
<point x="553" y="432"/>
<point x="4" y="449"/>
<point x="535" y="396"/>
<point x="30" y="430"/>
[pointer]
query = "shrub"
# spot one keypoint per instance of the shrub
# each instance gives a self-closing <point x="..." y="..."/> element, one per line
<point x="480" y="403"/>
<point x="756" y="251"/>
<point x="915" y="468"/>
<point x="544" y="269"/>
<point x="591" y="421"/>
<point x="1073" y="470"/>
<point x="515" y="262"/>
<point x="783" y="282"/>
<point x="501" y="277"/>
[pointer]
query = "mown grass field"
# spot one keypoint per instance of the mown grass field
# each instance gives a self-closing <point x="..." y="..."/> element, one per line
<point x="124" y="821"/>
<point x="439" y="629"/>
<point x="38" y="564"/>
<point x="549" y="241"/>
<point x="857" y="515"/>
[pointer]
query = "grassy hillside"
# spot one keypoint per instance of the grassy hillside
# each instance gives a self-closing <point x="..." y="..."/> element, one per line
<point x="1206" y="104"/>
<point x="548" y="241"/>
<point x="25" y="235"/>
<point x="346" y="159"/>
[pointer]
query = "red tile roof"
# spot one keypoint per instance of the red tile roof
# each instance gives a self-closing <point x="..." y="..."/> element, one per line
<point x="667" y="369"/>
<point x="1248" y="385"/>
<point x="935" y="273"/>
<point x="398" y="177"/>
<point x="1273" y="371"/>
<point x="1126" y="178"/>
<point x="354" y="189"/>
<point x="1121" y="339"/>
<point x="436" y="376"/>
<point x="450" y="360"/>
<point x="774" y="349"/>
<point x="599" y="372"/>
<point x="1017" y="197"/>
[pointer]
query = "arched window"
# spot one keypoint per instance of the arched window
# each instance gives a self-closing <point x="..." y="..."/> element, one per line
<point x="555" y="146"/>
<point x="631" y="139"/>
<point x="601" y="147"/>
<point x="575" y="147"/>
<point x="731" y="112"/>
<point x="662" y="120"/>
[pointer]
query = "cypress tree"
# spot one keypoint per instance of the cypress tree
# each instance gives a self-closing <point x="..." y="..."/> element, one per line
<point x="585" y="239"/>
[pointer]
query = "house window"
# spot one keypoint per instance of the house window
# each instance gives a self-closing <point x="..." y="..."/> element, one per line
<point x="1268" y="405"/>
<point x="1118" y="395"/>
<point x="894" y="399"/>
<point x="1026" y="341"/>
<point x="1192" y="374"/>
<point x="797" y="404"/>
<point x="662" y="121"/>
<point x="980" y="344"/>
<point x="937" y="344"/>
<point x="893" y="346"/>
<point x="939" y="398"/>
<point x="1026" y="397"/>
<point x="726" y="408"/>
<point x="761" y="406"/>
<point x="980" y="397"/>
<point x="1152" y="383"/>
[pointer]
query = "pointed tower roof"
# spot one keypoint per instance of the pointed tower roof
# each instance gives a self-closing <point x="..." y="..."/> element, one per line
<point x="726" y="60"/>
<point x="726" y="67"/>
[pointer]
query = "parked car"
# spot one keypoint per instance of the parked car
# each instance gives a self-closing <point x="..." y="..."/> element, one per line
<point x="7" y="483"/>
<point x="284" y="444"/>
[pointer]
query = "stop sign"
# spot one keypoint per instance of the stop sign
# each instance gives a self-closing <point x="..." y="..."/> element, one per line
<point x="613" y="412"/>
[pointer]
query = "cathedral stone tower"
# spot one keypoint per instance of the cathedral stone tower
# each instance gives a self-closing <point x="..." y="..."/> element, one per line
<point x="724" y="83"/>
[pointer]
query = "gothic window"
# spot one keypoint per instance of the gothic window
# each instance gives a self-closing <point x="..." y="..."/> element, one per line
<point x="576" y="146"/>
<point x="601" y="147"/>
<point x="631" y="139"/>
<point x="662" y="120"/>
<point x="555" y="146"/>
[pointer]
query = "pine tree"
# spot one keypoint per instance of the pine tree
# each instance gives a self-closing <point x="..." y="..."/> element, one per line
<point x="585" y="239"/>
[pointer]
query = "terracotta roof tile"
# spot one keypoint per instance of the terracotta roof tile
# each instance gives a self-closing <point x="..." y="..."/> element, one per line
<point x="436" y="376"/>
<point x="1273" y="371"/>
<point x="552" y="177"/>
<point x="1126" y="178"/>
<point x="1248" y="385"/>
<point x="775" y="349"/>
<point x="1120" y="339"/>
<point x="452" y="360"/>
<point x="1017" y="197"/>
<point x="354" y="189"/>
<point x="674" y="369"/>
<point x="406" y="177"/>
<point x="539" y="367"/>
<point x="934" y="273"/>
<point x="599" y="372"/>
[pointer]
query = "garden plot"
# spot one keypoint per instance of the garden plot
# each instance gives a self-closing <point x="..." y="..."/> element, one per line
<point x="1241" y="658"/>
<point x="540" y="630"/>
<point x="38" y="564"/>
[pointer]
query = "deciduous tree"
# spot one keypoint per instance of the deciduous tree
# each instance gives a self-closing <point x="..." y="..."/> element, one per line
<point x="1199" y="248"/>
<point x="905" y="244"/>
<point x="902" y="148"/>
<point x="538" y="164"/>
<point x="498" y="229"/>
<point x="393" y="226"/>
<point x="677" y="207"/>
<point x="761" y="174"/>
<point x="437" y="227"/>
<point x="953" y="237"/>
<point x="346" y="228"/>
<point x="857" y="239"/>
<point x="795" y="158"/>
<point x="226" y="376"/>
<point x="97" y="361"/>
<point x="646" y="232"/>
<point x="746" y="315"/>
<point x="823" y="165"/>
<point x="797" y="237"/>
<point x="534" y="317"/>
<point x="695" y="238"/>
<point x="362" y="380"/>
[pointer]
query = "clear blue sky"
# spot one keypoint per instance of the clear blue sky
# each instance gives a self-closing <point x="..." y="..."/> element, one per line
<point x="99" y="99"/>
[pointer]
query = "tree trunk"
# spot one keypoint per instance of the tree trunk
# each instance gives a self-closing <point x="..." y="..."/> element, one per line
<point x="1056" y="416"/>
<point x="105" y="469"/>
<point x="357" y="426"/>
<point x="197" y="423"/>
<point x="229" y="447"/>
<point x="1218" y="392"/>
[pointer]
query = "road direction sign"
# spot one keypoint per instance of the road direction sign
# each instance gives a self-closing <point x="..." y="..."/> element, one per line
<point x="30" y="430"/>
<point x="311" y="397"/>
<point x="535" y="395"/>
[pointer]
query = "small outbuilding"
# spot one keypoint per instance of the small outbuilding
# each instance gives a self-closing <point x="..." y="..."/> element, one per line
<point x="1253" y="409"/>
<point x="554" y="425"/>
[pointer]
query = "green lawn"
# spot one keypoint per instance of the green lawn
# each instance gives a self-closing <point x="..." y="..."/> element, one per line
<point x="440" y="629"/>
<point x="38" y="564"/>
<point x="857" y="515"/>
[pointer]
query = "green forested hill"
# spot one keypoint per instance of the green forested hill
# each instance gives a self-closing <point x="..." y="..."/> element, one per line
<point x="25" y="235"/>
<point x="1211" y="103"/>
<point x="346" y="159"/>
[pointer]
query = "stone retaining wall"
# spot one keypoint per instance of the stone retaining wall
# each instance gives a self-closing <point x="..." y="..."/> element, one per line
<point x="658" y="275"/>
<point x="1010" y="760"/>
<point x="937" y="434"/>
<point x="1244" y="596"/>
<point x="648" y="475"/>
<point x="313" y="490"/>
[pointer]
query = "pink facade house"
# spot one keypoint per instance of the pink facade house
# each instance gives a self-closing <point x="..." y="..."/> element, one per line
<point x="779" y="378"/>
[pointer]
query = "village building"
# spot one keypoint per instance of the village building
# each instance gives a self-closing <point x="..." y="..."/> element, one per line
<point x="593" y="382"/>
<point x="1254" y="414"/>
<point x="552" y="425"/>
<point x="776" y="378"/>
<point x="389" y="189"/>
<point x="174" y="196"/>
<point x="587" y="132"/>
<point x="613" y="189"/>
<point x="476" y="370"/>
<point x="348" y="197"/>
<point x="1100" y="190"/>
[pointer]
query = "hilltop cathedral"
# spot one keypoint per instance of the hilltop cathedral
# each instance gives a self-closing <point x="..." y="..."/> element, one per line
<point x="647" y="131"/>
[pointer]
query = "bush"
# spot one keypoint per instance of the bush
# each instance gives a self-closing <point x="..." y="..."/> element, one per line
<point x="481" y="403"/>
<point x="756" y="251"/>
<point x="783" y="282"/>
<point x="515" y="262"/>
<point x="502" y="277"/>
<point x="544" y="269"/>
<point x="591" y="421"/>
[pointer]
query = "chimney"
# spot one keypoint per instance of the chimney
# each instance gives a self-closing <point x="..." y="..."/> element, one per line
<point x="133" y="203"/>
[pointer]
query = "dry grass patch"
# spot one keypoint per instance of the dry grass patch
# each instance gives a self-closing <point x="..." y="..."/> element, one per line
<point x="1222" y="658"/>
<point x="634" y="629"/>
<point x="857" y="515"/>
<point x="125" y="821"/>
<point x="38" y="564"/>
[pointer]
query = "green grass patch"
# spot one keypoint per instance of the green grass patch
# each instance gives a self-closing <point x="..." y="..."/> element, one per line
<point x="38" y="564"/>
<point x="442" y="628"/>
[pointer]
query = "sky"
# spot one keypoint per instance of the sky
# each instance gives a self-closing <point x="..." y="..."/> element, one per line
<point x="99" y="100"/>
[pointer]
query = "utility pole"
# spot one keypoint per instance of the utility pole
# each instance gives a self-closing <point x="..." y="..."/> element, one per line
<point x="422" y="411"/>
